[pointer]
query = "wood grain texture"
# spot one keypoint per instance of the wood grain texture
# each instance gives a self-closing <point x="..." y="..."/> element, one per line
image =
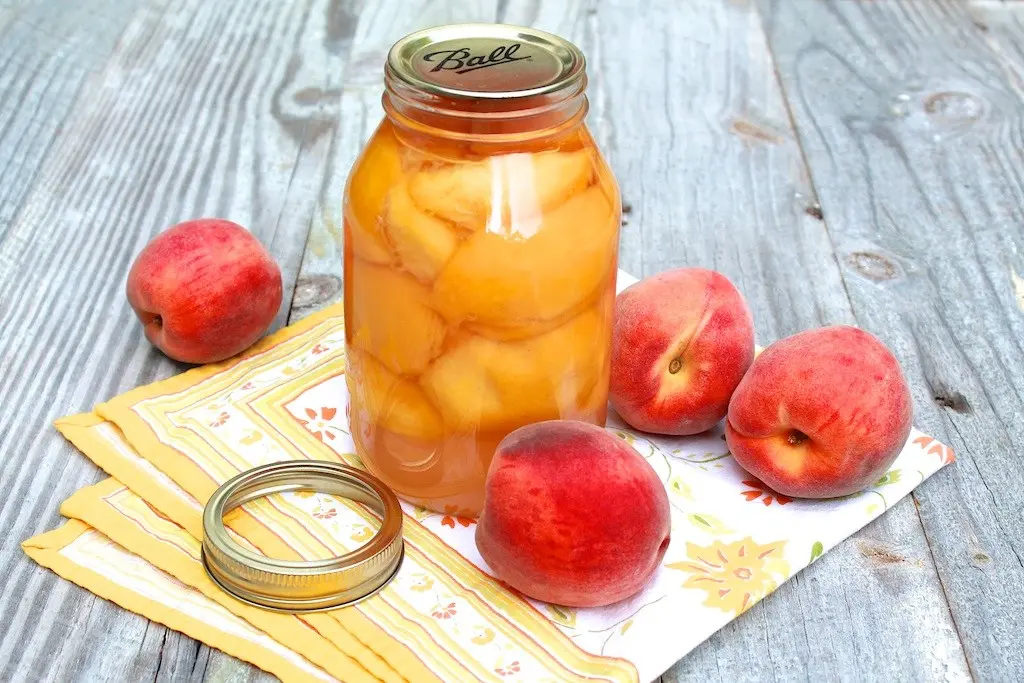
<point x="198" y="109"/>
<point x="697" y="131"/>
<point x="44" y="61"/>
<point x="910" y="117"/>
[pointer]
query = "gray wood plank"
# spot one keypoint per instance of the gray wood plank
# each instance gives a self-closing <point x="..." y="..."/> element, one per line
<point x="909" y="114"/>
<point x="199" y="109"/>
<point x="45" y="58"/>
<point x="213" y="666"/>
<point x="693" y="121"/>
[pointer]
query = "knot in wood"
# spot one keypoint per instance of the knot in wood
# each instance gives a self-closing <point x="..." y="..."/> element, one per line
<point x="873" y="266"/>
<point x="953" y="109"/>
<point x="953" y="400"/>
<point x="980" y="559"/>
<point x="315" y="290"/>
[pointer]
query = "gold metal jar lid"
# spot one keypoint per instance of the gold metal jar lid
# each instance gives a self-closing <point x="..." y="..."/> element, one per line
<point x="297" y="586"/>
<point x="486" y="61"/>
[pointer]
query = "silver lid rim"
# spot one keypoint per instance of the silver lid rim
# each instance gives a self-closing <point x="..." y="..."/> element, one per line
<point x="302" y="586"/>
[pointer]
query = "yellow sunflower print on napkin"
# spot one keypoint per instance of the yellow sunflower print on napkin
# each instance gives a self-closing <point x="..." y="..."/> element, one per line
<point x="734" y="576"/>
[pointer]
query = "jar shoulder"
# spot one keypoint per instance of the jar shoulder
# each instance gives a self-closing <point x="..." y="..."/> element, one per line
<point x="533" y="175"/>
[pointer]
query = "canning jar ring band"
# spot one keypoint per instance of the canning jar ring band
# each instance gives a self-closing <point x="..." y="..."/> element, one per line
<point x="302" y="586"/>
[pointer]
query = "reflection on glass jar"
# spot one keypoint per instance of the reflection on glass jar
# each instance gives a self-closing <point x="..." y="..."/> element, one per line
<point x="481" y="239"/>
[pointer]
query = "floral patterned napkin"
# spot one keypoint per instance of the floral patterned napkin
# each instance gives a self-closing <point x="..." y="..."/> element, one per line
<point x="170" y="444"/>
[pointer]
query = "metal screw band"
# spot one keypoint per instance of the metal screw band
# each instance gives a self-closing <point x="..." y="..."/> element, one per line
<point x="302" y="586"/>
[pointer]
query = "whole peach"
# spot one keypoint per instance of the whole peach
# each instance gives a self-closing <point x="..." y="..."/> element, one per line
<point x="204" y="290"/>
<point x="820" y="414"/>
<point x="572" y="515"/>
<point x="681" y="342"/>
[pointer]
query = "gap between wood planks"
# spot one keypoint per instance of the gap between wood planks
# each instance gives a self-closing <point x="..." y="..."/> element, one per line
<point x="912" y="141"/>
<point x="820" y="215"/>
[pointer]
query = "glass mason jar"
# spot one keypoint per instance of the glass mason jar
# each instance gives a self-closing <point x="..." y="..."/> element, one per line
<point x="481" y="241"/>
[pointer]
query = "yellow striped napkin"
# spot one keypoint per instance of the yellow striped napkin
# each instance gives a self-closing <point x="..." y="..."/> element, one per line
<point x="444" y="618"/>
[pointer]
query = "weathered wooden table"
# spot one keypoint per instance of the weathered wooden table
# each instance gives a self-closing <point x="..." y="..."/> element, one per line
<point x="843" y="162"/>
